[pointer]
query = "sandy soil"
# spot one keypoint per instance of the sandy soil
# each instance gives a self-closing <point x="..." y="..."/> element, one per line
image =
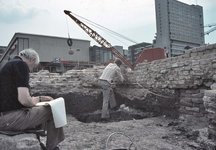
<point x="157" y="133"/>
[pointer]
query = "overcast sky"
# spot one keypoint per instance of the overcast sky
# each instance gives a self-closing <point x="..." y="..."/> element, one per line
<point x="135" y="19"/>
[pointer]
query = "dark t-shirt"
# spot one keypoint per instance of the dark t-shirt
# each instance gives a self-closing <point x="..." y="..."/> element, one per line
<point x="13" y="74"/>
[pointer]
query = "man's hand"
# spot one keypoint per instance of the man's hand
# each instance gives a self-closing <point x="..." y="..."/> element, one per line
<point x="46" y="98"/>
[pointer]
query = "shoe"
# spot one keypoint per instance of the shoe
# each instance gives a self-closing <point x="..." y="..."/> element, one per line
<point x="114" y="108"/>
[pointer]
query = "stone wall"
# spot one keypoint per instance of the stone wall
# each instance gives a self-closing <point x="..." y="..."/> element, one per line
<point x="191" y="70"/>
<point x="210" y="105"/>
<point x="191" y="74"/>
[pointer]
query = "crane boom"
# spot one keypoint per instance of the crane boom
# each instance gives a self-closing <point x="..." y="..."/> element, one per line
<point x="99" y="39"/>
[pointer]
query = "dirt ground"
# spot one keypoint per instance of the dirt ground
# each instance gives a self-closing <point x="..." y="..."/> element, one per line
<point x="156" y="133"/>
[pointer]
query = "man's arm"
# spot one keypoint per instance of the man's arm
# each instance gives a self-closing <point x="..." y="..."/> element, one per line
<point x="120" y="75"/>
<point x="26" y="100"/>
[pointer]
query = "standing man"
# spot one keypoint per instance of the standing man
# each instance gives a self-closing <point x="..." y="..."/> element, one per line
<point x="18" y="110"/>
<point x="112" y="70"/>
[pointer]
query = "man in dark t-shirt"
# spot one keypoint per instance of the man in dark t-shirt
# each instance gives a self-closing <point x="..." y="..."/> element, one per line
<point x="18" y="110"/>
<point x="13" y="74"/>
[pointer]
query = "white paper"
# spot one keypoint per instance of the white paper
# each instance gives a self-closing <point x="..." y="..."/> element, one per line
<point x="58" y="110"/>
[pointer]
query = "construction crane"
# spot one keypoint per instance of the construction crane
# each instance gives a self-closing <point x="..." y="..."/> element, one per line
<point x="103" y="42"/>
<point x="210" y="30"/>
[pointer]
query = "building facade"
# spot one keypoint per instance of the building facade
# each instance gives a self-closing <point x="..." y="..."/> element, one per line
<point x="2" y="49"/>
<point x="100" y="54"/>
<point x="53" y="51"/>
<point x="179" y="26"/>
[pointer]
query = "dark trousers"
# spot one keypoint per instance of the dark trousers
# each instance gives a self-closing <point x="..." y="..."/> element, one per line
<point x="28" y="118"/>
<point x="108" y="98"/>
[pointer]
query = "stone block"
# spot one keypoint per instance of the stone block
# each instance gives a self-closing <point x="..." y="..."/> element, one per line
<point x="197" y="114"/>
<point x="200" y="53"/>
<point x="197" y="100"/>
<point x="187" y="51"/>
<point x="214" y="45"/>
<point x="174" y="65"/>
<point x="213" y="86"/>
<point x="202" y="90"/>
<point x="196" y="91"/>
<point x="194" y="109"/>
<point x="196" y="68"/>
<point x="186" y="99"/>
<point x="186" y="55"/>
<point x="19" y="142"/>
<point x="214" y="65"/>
<point x="210" y="104"/>
<point x="211" y="93"/>
<point x="186" y="73"/>
<point x="212" y="121"/>
<point x="204" y="61"/>
<point x="203" y="111"/>
<point x="208" y="51"/>
<point x="197" y="95"/>
<point x="212" y="134"/>
<point x="212" y="126"/>
<point x="208" y="83"/>
<point x="208" y="47"/>
<point x="193" y="54"/>
<point x="185" y="103"/>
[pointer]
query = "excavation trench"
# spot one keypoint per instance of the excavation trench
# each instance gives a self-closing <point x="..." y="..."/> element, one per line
<point x="87" y="108"/>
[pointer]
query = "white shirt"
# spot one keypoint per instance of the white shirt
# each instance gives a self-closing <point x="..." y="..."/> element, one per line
<point x="110" y="71"/>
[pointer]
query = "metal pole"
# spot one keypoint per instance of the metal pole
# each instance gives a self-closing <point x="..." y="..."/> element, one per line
<point x="78" y="56"/>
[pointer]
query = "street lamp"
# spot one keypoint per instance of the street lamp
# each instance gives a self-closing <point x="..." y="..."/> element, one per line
<point x="78" y="56"/>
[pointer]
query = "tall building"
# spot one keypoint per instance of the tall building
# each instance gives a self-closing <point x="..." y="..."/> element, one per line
<point x="179" y="26"/>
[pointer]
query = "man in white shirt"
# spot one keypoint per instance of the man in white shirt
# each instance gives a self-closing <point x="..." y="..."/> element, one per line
<point x="104" y="82"/>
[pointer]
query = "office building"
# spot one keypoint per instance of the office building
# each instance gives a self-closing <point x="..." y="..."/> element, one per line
<point x="179" y="26"/>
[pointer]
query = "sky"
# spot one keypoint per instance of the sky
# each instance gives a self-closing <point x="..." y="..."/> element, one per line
<point x="134" y="19"/>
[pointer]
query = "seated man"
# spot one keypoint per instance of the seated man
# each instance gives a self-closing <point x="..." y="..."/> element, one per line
<point x="18" y="110"/>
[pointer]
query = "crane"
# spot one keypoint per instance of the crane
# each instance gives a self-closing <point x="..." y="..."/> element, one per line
<point x="99" y="39"/>
<point x="103" y="42"/>
<point x="210" y="30"/>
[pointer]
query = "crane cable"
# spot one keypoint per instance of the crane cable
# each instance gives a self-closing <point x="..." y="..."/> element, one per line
<point x="106" y="29"/>
<point x="69" y="40"/>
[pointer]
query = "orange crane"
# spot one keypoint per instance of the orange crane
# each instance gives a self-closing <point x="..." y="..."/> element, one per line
<point x="103" y="42"/>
